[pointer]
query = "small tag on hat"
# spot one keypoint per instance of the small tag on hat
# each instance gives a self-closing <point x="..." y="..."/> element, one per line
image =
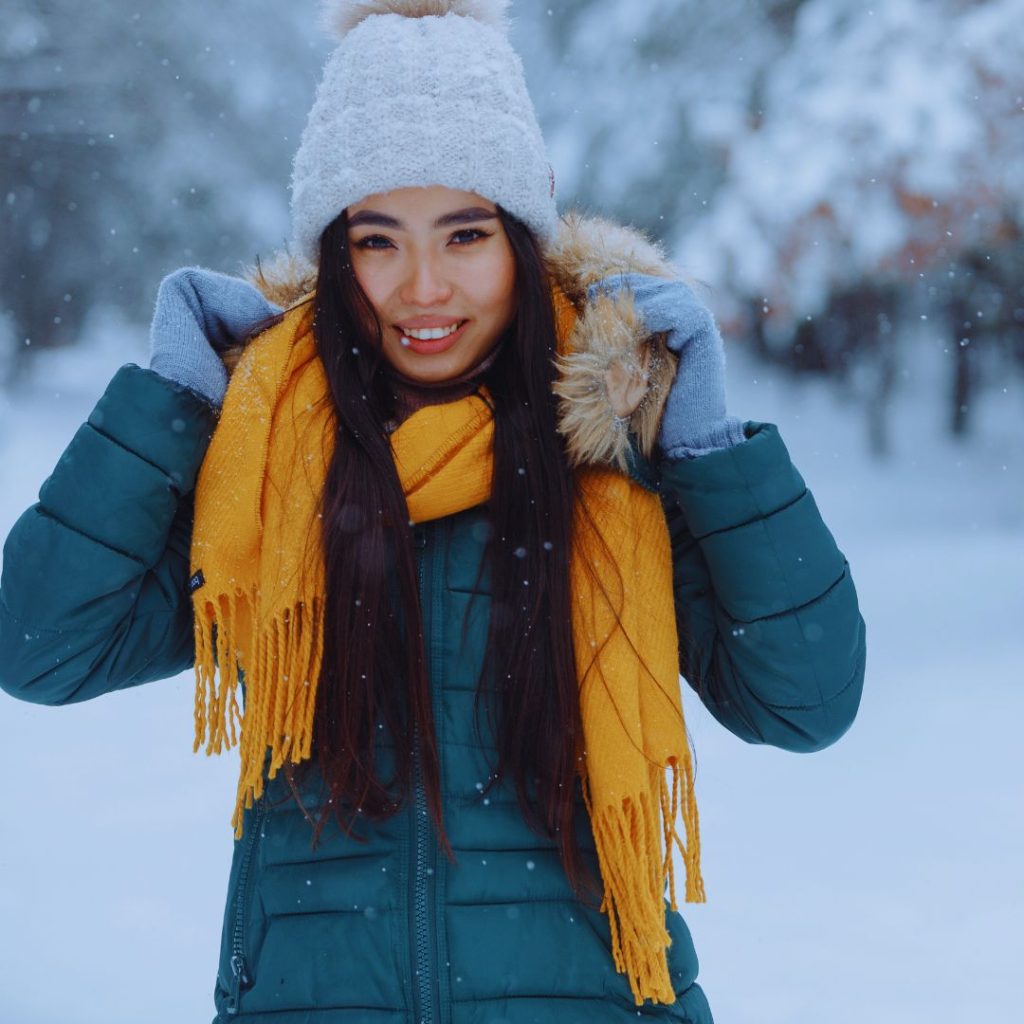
<point x="196" y="580"/>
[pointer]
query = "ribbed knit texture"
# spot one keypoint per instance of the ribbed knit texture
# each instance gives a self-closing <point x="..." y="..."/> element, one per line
<point x="198" y="314"/>
<point x="419" y="101"/>
<point x="257" y="557"/>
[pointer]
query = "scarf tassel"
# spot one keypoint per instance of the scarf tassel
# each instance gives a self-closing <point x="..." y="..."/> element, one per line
<point x="280" y="703"/>
<point x="634" y="873"/>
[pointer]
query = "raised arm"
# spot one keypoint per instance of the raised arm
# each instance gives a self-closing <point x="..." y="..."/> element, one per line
<point x="771" y="635"/>
<point x="93" y="592"/>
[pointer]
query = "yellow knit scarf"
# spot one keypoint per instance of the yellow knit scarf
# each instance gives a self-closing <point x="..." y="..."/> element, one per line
<point x="261" y="585"/>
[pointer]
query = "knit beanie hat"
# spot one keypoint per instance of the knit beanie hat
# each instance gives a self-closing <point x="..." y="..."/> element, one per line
<point x="418" y="93"/>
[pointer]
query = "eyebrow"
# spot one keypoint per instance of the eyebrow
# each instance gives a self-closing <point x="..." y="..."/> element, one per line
<point x="470" y="213"/>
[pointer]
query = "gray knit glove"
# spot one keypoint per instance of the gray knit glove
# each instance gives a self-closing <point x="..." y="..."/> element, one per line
<point x="200" y="313"/>
<point x="694" y="421"/>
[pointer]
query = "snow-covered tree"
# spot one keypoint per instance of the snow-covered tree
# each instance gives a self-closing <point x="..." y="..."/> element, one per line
<point x="888" y="143"/>
<point x="139" y="138"/>
<point x="639" y="100"/>
<point x="886" y="135"/>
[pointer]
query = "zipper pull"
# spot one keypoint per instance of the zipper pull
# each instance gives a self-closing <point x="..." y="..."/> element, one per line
<point x="241" y="978"/>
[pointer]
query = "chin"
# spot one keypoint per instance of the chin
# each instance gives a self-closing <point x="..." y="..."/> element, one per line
<point x="429" y="369"/>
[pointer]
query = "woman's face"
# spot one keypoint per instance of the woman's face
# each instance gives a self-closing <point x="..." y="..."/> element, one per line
<point x="430" y="259"/>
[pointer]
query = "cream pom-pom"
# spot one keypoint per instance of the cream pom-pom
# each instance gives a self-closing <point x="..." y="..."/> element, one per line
<point x="339" y="17"/>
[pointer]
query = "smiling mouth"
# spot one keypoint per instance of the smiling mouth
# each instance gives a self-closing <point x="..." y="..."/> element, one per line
<point x="437" y="339"/>
<point x="430" y="333"/>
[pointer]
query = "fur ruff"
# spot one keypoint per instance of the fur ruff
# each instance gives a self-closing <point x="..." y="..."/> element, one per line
<point x="339" y="17"/>
<point x="614" y="380"/>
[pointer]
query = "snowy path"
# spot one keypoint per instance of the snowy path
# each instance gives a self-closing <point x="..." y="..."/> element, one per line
<point x="881" y="879"/>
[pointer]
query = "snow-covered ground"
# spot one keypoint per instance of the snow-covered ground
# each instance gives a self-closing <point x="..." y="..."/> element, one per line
<point x="881" y="879"/>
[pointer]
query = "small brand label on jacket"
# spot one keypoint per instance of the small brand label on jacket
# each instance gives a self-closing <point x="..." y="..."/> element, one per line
<point x="196" y="580"/>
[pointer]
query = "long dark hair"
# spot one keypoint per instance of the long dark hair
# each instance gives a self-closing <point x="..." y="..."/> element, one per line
<point x="373" y="665"/>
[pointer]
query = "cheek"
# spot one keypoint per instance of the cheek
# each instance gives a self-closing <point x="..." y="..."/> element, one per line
<point x="378" y="290"/>
<point x="498" y="288"/>
<point x="372" y="283"/>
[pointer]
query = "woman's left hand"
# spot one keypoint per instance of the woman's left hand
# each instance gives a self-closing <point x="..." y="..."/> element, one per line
<point x="694" y="419"/>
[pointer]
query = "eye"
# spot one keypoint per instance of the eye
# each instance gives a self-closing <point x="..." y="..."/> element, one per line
<point x="364" y="243"/>
<point x="465" y="236"/>
<point x="475" y="232"/>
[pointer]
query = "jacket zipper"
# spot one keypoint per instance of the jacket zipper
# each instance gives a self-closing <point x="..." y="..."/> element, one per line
<point x="239" y="969"/>
<point x="424" y="987"/>
<point x="425" y="1016"/>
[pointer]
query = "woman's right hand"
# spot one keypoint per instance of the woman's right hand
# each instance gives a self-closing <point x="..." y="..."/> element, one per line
<point x="200" y="313"/>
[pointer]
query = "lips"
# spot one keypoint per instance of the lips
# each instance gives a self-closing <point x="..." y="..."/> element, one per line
<point x="430" y="346"/>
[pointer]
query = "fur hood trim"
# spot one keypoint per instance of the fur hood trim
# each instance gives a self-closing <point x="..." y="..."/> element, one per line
<point x="614" y="378"/>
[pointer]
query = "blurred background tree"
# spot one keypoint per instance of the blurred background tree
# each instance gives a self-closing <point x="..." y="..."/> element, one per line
<point x="845" y="177"/>
<point x="136" y="139"/>
<point x="875" y="188"/>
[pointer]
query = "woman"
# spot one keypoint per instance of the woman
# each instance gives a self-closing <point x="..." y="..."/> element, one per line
<point x="471" y="503"/>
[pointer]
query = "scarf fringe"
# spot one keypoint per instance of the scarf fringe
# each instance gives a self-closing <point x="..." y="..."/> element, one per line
<point x="278" y="716"/>
<point x="682" y="785"/>
<point x="627" y="840"/>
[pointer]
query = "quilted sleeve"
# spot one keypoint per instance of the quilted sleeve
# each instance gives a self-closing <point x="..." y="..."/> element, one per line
<point x="770" y="631"/>
<point x="93" y="594"/>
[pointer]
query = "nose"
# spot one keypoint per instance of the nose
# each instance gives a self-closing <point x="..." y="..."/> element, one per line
<point x="425" y="283"/>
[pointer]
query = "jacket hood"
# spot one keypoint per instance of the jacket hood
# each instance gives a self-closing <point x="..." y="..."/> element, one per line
<point x="613" y="376"/>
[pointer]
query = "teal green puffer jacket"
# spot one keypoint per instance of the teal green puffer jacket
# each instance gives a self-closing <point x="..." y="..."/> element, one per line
<point x="94" y="599"/>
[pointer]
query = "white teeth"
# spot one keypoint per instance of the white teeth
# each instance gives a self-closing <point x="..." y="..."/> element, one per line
<point x="431" y="333"/>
